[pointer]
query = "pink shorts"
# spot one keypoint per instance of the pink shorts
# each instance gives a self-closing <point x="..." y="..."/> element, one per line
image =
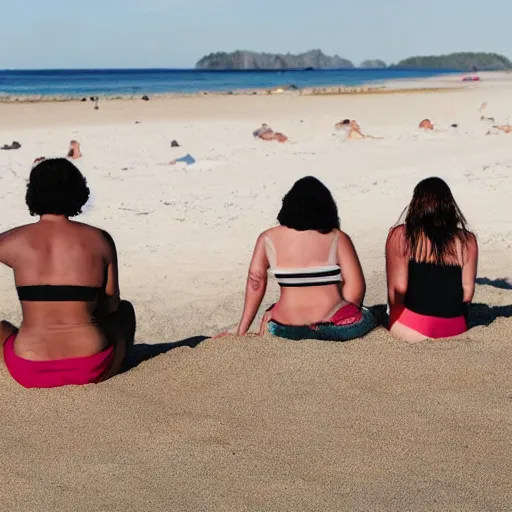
<point x="430" y="326"/>
<point x="74" y="371"/>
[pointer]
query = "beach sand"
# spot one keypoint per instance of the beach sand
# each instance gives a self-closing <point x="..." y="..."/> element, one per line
<point x="258" y="423"/>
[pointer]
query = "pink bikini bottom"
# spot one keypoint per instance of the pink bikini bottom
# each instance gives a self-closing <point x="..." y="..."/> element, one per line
<point x="74" y="371"/>
<point x="430" y="326"/>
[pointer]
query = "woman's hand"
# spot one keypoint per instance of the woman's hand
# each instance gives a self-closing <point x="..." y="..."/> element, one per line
<point x="264" y="322"/>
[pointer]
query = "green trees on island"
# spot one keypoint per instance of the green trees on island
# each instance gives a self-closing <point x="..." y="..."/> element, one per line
<point x="316" y="59"/>
<point x="463" y="61"/>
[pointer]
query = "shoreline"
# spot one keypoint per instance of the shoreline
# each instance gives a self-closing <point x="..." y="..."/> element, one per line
<point x="309" y="91"/>
<point x="388" y="86"/>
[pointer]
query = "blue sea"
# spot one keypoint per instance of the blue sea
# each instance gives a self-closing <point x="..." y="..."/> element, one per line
<point x="117" y="82"/>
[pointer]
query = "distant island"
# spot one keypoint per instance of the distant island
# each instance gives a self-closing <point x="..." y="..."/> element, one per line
<point x="314" y="59"/>
<point x="460" y="61"/>
<point x="373" y="64"/>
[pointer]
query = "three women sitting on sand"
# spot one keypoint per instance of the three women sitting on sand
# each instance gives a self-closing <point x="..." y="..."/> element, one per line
<point x="75" y="328"/>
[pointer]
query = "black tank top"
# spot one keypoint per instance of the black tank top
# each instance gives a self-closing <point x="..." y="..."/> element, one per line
<point x="435" y="290"/>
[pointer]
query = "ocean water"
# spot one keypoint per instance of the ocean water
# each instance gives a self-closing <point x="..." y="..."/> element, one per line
<point x="113" y="82"/>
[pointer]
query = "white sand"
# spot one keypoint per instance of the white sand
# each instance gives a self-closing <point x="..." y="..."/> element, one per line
<point x="262" y="424"/>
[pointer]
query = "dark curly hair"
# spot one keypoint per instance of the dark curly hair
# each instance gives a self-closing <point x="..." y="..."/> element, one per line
<point x="309" y="205"/>
<point x="57" y="187"/>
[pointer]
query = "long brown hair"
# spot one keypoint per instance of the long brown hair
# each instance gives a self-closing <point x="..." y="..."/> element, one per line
<point x="434" y="215"/>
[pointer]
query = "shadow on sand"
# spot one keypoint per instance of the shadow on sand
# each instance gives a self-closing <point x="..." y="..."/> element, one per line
<point x="142" y="352"/>
<point x="484" y="315"/>
<point x="501" y="283"/>
<point x="479" y="314"/>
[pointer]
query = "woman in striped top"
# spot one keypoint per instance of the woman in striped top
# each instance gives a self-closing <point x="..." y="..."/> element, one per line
<point x="317" y="268"/>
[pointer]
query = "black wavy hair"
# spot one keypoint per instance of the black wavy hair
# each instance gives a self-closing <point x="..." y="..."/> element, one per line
<point x="309" y="205"/>
<point x="56" y="187"/>
<point x="433" y="213"/>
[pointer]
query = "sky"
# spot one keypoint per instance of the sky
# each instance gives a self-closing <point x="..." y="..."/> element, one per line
<point x="39" y="34"/>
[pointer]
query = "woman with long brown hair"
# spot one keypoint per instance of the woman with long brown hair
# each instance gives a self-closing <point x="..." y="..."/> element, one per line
<point x="431" y="262"/>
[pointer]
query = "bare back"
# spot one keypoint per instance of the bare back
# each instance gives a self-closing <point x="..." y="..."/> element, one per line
<point x="288" y="249"/>
<point x="56" y="251"/>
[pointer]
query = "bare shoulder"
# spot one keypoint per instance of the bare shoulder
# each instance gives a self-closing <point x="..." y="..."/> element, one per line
<point x="344" y="241"/>
<point x="472" y="243"/>
<point x="342" y="236"/>
<point x="397" y="230"/>
<point x="396" y="235"/>
<point x="92" y="229"/>
<point x="472" y="239"/>
<point x="98" y="235"/>
<point x="15" y="233"/>
<point x="274" y="230"/>
<point x="272" y="233"/>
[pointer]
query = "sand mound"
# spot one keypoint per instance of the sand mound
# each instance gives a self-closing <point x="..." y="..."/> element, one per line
<point x="265" y="424"/>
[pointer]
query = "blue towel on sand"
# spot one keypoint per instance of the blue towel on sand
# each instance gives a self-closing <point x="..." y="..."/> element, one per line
<point x="188" y="159"/>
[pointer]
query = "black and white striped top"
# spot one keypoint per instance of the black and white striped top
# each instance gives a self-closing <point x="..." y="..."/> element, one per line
<point x="311" y="276"/>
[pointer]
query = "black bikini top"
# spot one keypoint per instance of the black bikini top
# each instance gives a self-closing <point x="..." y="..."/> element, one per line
<point x="435" y="290"/>
<point x="57" y="293"/>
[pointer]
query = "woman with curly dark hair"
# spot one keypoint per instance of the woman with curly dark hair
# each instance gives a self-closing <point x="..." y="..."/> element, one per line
<point x="317" y="268"/>
<point x="75" y="328"/>
<point x="431" y="260"/>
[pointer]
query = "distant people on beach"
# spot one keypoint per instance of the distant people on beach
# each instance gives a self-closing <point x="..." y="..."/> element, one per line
<point x="75" y="328"/>
<point x="482" y="109"/>
<point x="353" y="130"/>
<point x="317" y="268"/>
<point x="74" y="153"/>
<point x="431" y="261"/>
<point x="495" y="129"/>
<point x="8" y="147"/>
<point x="266" y="133"/>
<point x="505" y="128"/>
<point x="426" y="125"/>
<point x="74" y="150"/>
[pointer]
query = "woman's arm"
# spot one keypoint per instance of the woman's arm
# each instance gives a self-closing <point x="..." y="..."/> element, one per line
<point x="7" y="247"/>
<point x="469" y="269"/>
<point x="256" y="285"/>
<point x="397" y="266"/>
<point x="353" y="286"/>
<point x="109" y="302"/>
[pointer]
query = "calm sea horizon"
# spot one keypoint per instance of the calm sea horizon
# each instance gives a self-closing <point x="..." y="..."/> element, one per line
<point x="123" y="82"/>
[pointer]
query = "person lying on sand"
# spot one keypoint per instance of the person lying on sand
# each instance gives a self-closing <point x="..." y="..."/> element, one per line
<point x="316" y="265"/>
<point x="483" y="106"/>
<point x="74" y="150"/>
<point x="431" y="268"/>
<point x="266" y="133"/>
<point x="353" y="130"/>
<point x="505" y="128"/>
<point x="75" y="328"/>
<point x="426" y="125"/>
<point x="14" y="145"/>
